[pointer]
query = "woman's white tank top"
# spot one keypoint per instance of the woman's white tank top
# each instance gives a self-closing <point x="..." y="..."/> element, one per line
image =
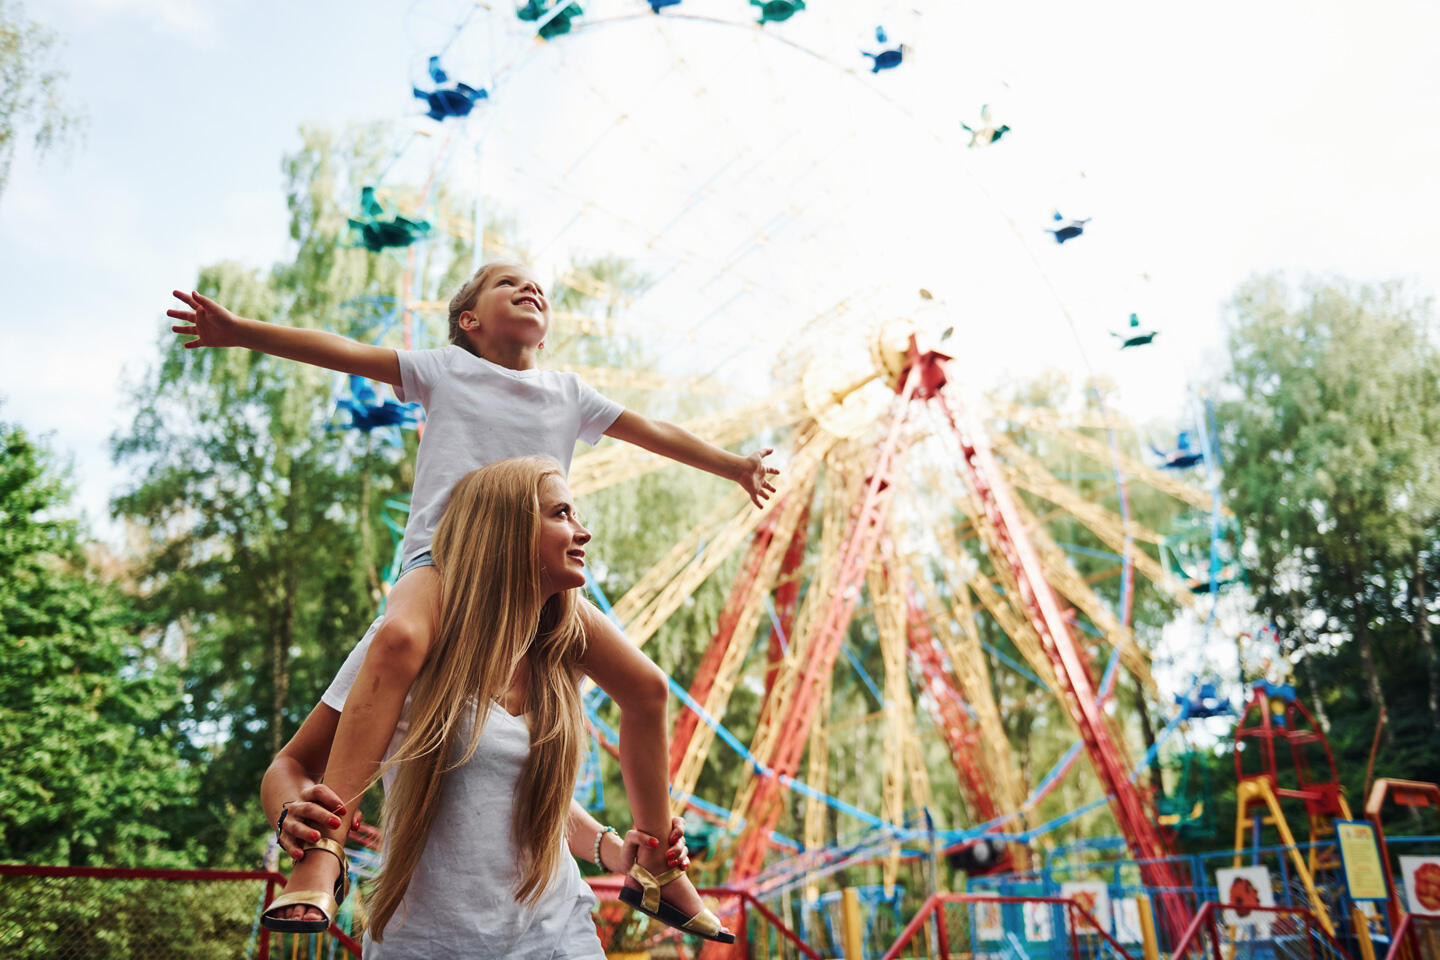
<point x="461" y="899"/>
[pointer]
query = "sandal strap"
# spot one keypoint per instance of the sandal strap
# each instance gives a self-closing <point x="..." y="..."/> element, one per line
<point x="336" y="849"/>
<point x="650" y="884"/>
<point x="704" y="923"/>
<point x="319" y="899"/>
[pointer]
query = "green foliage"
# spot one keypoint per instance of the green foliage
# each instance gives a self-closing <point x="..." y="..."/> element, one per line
<point x="90" y="773"/>
<point x="262" y="527"/>
<point x="30" y="89"/>
<point x="1329" y="414"/>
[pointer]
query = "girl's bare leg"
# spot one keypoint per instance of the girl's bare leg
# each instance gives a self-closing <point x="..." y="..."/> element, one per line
<point x="372" y="710"/>
<point x="639" y="688"/>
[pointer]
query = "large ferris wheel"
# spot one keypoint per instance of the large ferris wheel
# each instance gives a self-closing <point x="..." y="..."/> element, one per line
<point x="835" y="264"/>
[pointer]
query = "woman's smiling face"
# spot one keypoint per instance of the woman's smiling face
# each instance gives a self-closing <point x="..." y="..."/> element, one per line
<point x="561" y="540"/>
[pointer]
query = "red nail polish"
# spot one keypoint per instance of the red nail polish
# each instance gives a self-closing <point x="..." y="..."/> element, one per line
<point x="334" y="822"/>
<point x="315" y="836"/>
<point x="654" y="842"/>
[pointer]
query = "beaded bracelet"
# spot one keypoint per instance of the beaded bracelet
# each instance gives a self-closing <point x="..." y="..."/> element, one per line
<point x="598" y="838"/>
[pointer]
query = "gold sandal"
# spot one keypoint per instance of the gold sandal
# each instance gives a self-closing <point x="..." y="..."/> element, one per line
<point x="327" y="903"/>
<point x="647" y="900"/>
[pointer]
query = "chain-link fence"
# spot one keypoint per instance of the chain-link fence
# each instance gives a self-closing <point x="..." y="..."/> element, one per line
<point x="99" y="913"/>
<point x="1251" y="932"/>
<point x="982" y="927"/>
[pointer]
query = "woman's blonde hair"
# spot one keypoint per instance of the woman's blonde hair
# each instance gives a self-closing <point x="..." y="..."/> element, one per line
<point x="493" y="614"/>
<point x="466" y="296"/>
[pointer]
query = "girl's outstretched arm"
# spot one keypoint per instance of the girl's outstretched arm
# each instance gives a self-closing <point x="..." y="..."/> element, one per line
<point x="680" y="444"/>
<point x="214" y="326"/>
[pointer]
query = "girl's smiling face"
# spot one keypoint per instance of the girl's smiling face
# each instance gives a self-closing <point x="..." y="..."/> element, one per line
<point x="511" y="310"/>
<point x="560" y="542"/>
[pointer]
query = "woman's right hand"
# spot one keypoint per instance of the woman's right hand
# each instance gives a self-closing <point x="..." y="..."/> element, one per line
<point x="676" y="855"/>
<point x="209" y="323"/>
<point x="317" y="808"/>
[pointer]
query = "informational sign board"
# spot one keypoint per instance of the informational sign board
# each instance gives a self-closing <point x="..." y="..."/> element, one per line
<point x="1094" y="896"/>
<point x="989" y="921"/>
<point x="1360" y="855"/>
<point x="1127" y="920"/>
<point x="1038" y="928"/>
<point x="1422" y="884"/>
<point x="1246" y="888"/>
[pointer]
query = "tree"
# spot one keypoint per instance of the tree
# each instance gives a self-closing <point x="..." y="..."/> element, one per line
<point x="30" y="89"/>
<point x="1327" y="423"/>
<point x="262" y="524"/>
<point x="81" y="698"/>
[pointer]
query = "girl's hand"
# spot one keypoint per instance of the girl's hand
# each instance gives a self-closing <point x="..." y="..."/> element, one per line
<point x="676" y="855"/>
<point x="755" y="477"/>
<point x="211" y="324"/>
<point x="318" y="808"/>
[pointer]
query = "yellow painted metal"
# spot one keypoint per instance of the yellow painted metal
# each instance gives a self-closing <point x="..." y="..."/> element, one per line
<point x="835" y="504"/>
<point x="963" y="572"/>
<point x="743" y="638"/>
<point x="1053" y="423"/>
<point x="957" y="632"/>
<point x="1063" y="576"/>
<point x="852" y="931"/>
<point x="1026" y="473"/>
<point x="902" y="762"/>
<point x="1149" y="943"/>
<point x="1361" y="925"/>
<point x="817" y="775"/>
<point x="653" y="580"/>
<point x="799" y="476"/>
<point x="1247" y="793"/>
<point x="618" y="462"/>
<point x="842" y="487"/>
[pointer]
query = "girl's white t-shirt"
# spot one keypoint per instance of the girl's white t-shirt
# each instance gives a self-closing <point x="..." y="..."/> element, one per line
<point x="477" y="412"/>
<point x="461" y="901"/>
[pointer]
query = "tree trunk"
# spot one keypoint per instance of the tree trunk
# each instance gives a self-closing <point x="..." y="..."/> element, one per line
<point x="1148" y="733"/>
<point x="1367" y="655"/>
<point x="368" y="561"/>
<point x="1302" y="664"/>
<point x="1427" y="645"/>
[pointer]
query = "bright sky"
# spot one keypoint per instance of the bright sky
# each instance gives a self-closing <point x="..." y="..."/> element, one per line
<point x="759" y="183"/>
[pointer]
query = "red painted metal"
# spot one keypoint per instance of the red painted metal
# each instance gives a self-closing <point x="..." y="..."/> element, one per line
<point x="1078" y="918"/>
<point x="1206" y="921"/>
<point x="705" y="674"/>
<point x="1037" y="601"/>
<point x="731" y="900"/>
<point x="1415" y="938"/>
<point x="1408" y="793"/>
<point x="787" y="596"/>
<point x="962" y="736"/>
<point x="1296" y="728"/>
<point x="798" y="714"/>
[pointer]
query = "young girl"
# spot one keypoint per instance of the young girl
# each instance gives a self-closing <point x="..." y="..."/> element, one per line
<point x="485" y="758"/>
<point x="485" y="400"/>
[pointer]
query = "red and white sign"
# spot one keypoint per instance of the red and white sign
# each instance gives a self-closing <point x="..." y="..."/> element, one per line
<point x="1422" y="884"/>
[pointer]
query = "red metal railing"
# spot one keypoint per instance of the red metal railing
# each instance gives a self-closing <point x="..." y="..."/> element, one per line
<point x="733" y="910"/>
<point x="1079" y="923"/>
<point x="1214" y="936"/>
<point x="1417" y="938"/>
<point x="43" y="914"/>
<point x="134" y="911"/>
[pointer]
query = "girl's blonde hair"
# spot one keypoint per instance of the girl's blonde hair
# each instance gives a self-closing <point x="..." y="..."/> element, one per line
<point x="492" y="615"/>
<point x="468" y="293"/>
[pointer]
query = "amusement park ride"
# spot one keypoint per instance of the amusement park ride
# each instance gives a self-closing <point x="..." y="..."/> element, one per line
<point x="935" y="516"/>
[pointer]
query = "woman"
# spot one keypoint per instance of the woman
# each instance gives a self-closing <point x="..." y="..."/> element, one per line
<point x="489" y="747"/>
